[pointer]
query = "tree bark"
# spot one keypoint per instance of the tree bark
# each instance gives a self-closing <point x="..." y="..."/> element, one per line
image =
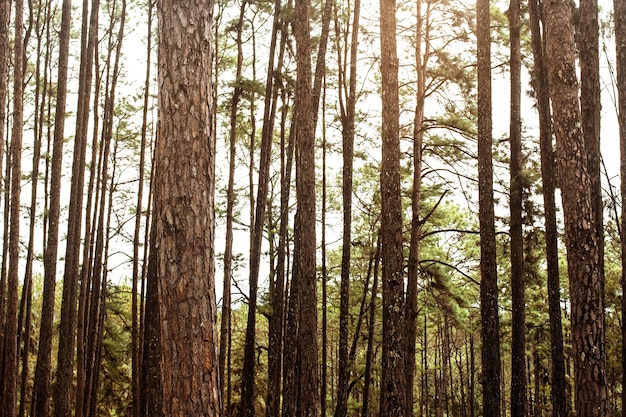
<point x="393" y="384"/>
<point x="306" y="275"/>
<point x="583" y="255"/>
<point x="184" y="203"/>
<point x="490" y="322"/>
<point x="590" y="111"/>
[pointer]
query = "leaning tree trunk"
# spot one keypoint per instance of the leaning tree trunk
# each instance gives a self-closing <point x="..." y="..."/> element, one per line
<point x="583" y="255"/>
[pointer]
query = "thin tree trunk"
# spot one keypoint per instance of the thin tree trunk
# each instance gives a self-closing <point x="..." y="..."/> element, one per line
<point x="548" y="183"/>
<point x="413" y="265"/>
<point x="10" y="351"/>
<point x="41" y="391"/>
<point x="348" y="124"/>
<point x="583" y="255"/>
<point x="518" y="303"/>
<point x="151" y="390"/>
<point x="67" y="328"/>
<point x="24" y="321"/>
<point x="135" y="311"/>
<point x="278" y="296"/>
<point x="490" y="322"/>
<point x="369" y="358"/>
<point x="230" y="203"/>
<point x="258" y="223"/>
<point x="619" y="13"/>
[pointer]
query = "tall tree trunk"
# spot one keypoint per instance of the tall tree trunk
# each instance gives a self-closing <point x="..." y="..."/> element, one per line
<point x="583" y="256"/>
<point x="184" y="203"/>
<point x="24" y="321"/>
<point x="230" y="203"/>
<point x="258" y="224"/>
<point x="540" y="84"/>
<point x="348" y="124"/>
<point x="41" y="390"/>
<point x="306" y="275"/>
<point x="490" y="322"/>
<point x="67" y="329"/>
<point x="10" y="351"/>
<point x="393" y="384"/>
<point x="275" y="349"/>
<point x="619" y="13"/>
<point x="414" y="254"/>
<point x="324" y="370"/>
<point x="135" y="311"/>
<point x="518" y="303"/>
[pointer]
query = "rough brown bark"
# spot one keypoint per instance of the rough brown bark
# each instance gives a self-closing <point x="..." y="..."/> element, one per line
<point x="393" y="384"/>
<point x="540" y="84"/>
<point x="184" y="218"/>
<point x="588" y="47"/>
<point x="583" y="256"/>
<point x="490" y="322"/>
<point x="304" y="117"/>
<point x="518" y="303"/>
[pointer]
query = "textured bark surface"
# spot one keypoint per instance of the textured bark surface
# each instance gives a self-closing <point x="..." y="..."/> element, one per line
<point x="548" y="178"/>
<point x="184" y="218"/>
<point x="590" y="111"/>
<point x="304" y="117"/>
<point x="393" y="384"/>
<point x="583" y="256"/>
<point x="490" y="322"/>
